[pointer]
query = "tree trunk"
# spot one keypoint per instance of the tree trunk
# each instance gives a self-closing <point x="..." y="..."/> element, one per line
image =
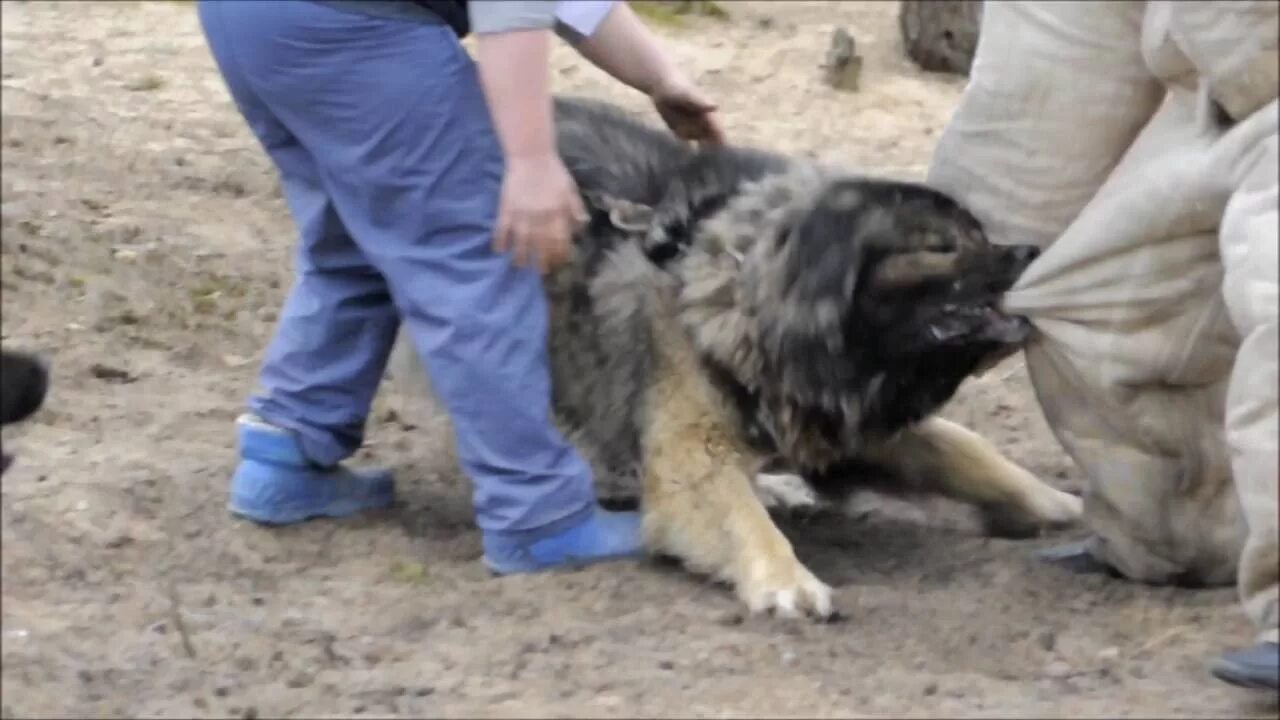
<point x="940" y="35"/>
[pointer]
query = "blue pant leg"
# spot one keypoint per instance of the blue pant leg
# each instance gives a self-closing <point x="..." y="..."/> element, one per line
<point x="336" y="328"/>
<point x="394" y="114"/>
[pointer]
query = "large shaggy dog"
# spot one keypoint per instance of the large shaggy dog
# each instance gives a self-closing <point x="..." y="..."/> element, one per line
<point x="729" y="308"/>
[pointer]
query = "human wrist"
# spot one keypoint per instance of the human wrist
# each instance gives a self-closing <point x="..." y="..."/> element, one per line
<point x="533" y="157"/>
<point x="665" y="77"/>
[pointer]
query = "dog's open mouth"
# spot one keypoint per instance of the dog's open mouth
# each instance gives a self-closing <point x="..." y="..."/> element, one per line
<point x="963" y="324"/>
<point x="1001" y="327"/>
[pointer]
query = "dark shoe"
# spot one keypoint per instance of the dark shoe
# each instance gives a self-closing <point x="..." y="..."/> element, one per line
<point x="276" y="485"/>
<point x="1256" y="668"/>
<point x="1075" y="557"/>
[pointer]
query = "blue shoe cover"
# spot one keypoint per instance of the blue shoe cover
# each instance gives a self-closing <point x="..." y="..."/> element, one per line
<point x="276" y="485"/>
<point x="601" y="537"/>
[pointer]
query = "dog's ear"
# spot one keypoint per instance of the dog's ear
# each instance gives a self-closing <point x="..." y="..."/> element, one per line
<point x="630" y="217"/>
<point x="825" y="247"/>
<point x="623" y="214"/>
<point x="822" y="258"/>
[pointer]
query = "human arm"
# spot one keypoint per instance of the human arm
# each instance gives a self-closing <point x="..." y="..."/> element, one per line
<point x="623" y="47"/>
<point x="539" y="205"/>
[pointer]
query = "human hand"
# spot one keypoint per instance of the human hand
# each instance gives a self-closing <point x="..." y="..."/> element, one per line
<point x="686" y="110"/>
<point x="538" y="212"/>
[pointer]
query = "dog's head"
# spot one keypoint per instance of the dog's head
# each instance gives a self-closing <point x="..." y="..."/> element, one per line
<point x="864" y="306"/>
<point x="24" y="381"/>
<point x="909" y="272"/>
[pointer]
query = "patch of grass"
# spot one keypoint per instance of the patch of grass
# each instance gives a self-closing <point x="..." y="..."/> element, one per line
<point x="204" y="305"/>
<point x="124" y="317"/>
<point x="146" y="83"/>
<point x="217" y="286"/>
<point x="708" y="8"/>
<point x="657" y="13"/>
<point x="672" y="13"/>
<point x="406" y="571"/>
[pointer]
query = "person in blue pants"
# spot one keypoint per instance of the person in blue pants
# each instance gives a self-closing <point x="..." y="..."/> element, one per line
<point x="410" y="172"/>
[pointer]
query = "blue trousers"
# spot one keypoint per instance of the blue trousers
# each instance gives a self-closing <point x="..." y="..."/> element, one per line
<point x="391" y="170"/>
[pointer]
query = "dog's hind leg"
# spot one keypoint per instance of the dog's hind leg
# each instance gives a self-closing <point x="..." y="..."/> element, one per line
<point x="942" y="456"/>
<point x="699" y="505"/>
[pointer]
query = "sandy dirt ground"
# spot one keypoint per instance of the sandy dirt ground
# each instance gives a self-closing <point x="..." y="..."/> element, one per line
<point x="145" y="251"/>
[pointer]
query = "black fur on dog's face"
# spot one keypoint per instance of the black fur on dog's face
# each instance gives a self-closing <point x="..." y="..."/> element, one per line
<point x="24" y="381"/>
<point x="885" y="301"/>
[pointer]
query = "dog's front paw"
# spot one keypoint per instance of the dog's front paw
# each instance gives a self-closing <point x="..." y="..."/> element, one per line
<point x="786" y="588"/>
<point x="1058" y="509"/>
<point x="1050" y="509"/>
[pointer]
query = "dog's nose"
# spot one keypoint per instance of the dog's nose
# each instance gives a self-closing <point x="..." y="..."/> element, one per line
<point x="1024" y="254"/>
<point x="1020" y="256"/>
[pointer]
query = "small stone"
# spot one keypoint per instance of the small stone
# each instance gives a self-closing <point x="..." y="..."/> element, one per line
<point x="1047" y="640"/>
<point x="108" y="373"/>
<point x="1057" y="670"/>
<point x="843" y="64"/>
<point x="730" y="619"/>
<point x="117" y="542"/>
<point x="666" y="665"/>
<point x="1110" y="654"/>
<point x="221" y="691"/>
<point x="931" y="689"/>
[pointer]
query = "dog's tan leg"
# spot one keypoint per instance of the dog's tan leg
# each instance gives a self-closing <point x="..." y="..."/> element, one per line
<point x="699" y="504"/>
<point x="941" y="455"/>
